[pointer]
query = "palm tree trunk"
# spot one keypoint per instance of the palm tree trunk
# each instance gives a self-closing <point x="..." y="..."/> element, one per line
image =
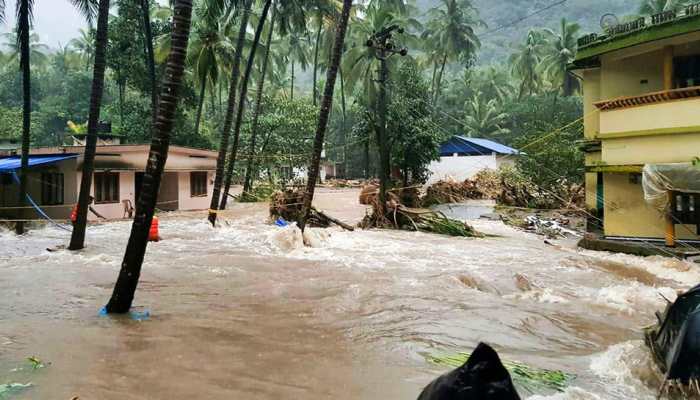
<point x="317" y="46"/>
<point x="366" y="157"/>
<point x="432" y="82"/>
<point x="291" y="92"/>
<point x="438" y="84"/>
<point x="77" y="239"/>
<point x="128" y="280"/>
<point x="150" y="58"/>
<point x="200" y="106"/>
<point x="241" y="104"/>
<point x="248" y="182"/>
<point x="343" y="129"/>
<point x="326" y="105"/>
<point x="228" y="121"/>
<point x="23" y="27"/>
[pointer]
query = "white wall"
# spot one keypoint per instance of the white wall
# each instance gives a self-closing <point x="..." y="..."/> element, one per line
<point x="186" y="201"/>
<point x="127" y="188"/>
<point x="460" y="168"/>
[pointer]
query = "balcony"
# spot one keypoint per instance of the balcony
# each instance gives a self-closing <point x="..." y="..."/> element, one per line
<point x="658" y="113"/>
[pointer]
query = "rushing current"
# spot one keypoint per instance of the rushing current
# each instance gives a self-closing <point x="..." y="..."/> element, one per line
<point x="246" y="311"/>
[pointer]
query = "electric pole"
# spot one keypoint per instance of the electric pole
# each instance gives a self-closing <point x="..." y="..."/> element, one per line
<point x="385" y="48"/>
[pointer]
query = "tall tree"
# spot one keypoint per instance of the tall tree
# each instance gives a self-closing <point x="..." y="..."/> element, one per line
<point x="524" y="63"/>
<point x="2" y="11"/>
<point x="150" y="56"/>
<point x="228" y="121"/>
<point x="484" y="118"/>
<point x="248" y="182"/>
<point x="85" y="44"/>
<point x="323" y="11"/>
<point x="241" y="104"/>
<point x="24" y="17"/>
<point x="326" y="105"/>
<point x="560" y="52"/>
<point x="125" y="288"/>
<point x="450" y="32"/>
<point x="77" y="240"/>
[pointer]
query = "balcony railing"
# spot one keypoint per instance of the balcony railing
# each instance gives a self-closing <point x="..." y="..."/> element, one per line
<point x="649" y="98"/>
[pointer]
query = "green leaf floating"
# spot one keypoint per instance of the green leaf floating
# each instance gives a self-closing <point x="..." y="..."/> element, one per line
<point x="9" y="389"/>
<point x="528" y="378"/>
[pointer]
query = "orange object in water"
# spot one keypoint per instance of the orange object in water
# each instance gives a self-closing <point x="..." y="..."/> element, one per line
<point x="74" y="214"/>
<point x="153" y="234"/>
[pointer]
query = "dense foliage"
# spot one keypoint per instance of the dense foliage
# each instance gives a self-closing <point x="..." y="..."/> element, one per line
<point x="474" y="67"/>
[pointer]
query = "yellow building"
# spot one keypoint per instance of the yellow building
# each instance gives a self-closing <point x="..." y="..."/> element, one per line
<point x="641" y="86"/>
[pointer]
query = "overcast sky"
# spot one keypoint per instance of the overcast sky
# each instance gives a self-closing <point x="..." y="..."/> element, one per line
<point x="55" y="21"/>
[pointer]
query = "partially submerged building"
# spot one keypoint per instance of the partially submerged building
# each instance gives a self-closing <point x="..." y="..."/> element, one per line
<point x="55" y="174"/>
<point x="641" y="87"/>
<point x="462" y="157"/>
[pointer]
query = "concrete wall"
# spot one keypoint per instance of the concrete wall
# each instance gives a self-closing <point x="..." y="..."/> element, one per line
<point x="679" y="115"/>
<point x="651" y="149"/>
<point x="461" y="168"/>
<point x="127" y="191"/>
<point x="621" y="77"/>
<point x="591" y="95"/>
<point x="628" y="215"/>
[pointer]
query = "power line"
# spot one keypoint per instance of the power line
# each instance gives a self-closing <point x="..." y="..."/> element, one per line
<point x="521" y="19"/>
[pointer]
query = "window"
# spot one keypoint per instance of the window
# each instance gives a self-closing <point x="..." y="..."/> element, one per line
<point x="686" y="71"/>
<point x="106" y="187"/>
<point x="198" y="184"/>
<point x="51" y="188"/>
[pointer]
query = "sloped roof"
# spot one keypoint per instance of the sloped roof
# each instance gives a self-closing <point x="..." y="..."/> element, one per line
<point x="474" y="147"/>
<point x="9" y="164"/>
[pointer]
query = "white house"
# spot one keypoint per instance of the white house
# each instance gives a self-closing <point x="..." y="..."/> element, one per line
<point x="463" y="157"/>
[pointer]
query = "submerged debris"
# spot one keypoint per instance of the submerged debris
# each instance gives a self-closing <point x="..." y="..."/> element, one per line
<point x="10" y="389"/>
<point x="288" y="205"/>
<point x="529" y="378"/>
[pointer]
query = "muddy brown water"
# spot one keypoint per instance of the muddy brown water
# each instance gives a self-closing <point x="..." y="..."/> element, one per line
<point x="245" y="311"/>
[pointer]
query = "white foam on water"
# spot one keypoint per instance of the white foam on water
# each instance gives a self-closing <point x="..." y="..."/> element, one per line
<point x="572" y="393"/>
<point x="635" y="297"/>
<point x="630" y="368"/>
<point x="540" y="295"/>
<point x="683" y="272"/>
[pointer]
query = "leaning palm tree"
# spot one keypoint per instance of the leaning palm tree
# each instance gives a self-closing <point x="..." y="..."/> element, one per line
<point x="128" y="280"/>
<point x="24" y="17"/>
<point x="326" y="105"/>
<point x="228" y="121"/>
<point x="560" y="52"/>
<point x="77" y="240"/>
<point x="241" y="104"/>
<point x="150" y="54"/>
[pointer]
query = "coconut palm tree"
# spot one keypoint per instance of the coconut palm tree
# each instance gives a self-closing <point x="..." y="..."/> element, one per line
<point x="77" y="240"/>
<point x="209" y="49"/>
<point x="524" y="63"/>
<point x="294" y="49"/>
<point x="248" y="181"/>
<point x="150" y="54"/>
<point x="484" y="118"/>
<point x="23" y="44"/>
<point x="450" y="35"/>
<point x="228" y="121"/>
<point x="2" y="11"/>
<point x="125" y="288"/>
<point x="322" y="12"/>
<point x="326" y="105"/>
<point x="38" y="51"/>
<point x="84" y="44"/>
<point x="560" y="51"/>
<point x="241" y="103"/>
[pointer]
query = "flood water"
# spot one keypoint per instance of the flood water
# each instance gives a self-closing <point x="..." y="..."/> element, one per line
<point x="245" y="311"/>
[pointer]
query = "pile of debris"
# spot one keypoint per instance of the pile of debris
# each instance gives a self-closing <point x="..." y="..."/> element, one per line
<point x="507" y="187"/>
<point x="399" y="215"/>
<point x="287" y="205"/>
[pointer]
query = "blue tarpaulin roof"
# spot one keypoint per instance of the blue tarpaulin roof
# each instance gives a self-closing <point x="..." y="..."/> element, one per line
<point x="9" y="164"/>
<point x="474" y="147"/>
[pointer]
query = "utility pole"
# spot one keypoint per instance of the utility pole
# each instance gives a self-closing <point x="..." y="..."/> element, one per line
<point x="381" y="42"/>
